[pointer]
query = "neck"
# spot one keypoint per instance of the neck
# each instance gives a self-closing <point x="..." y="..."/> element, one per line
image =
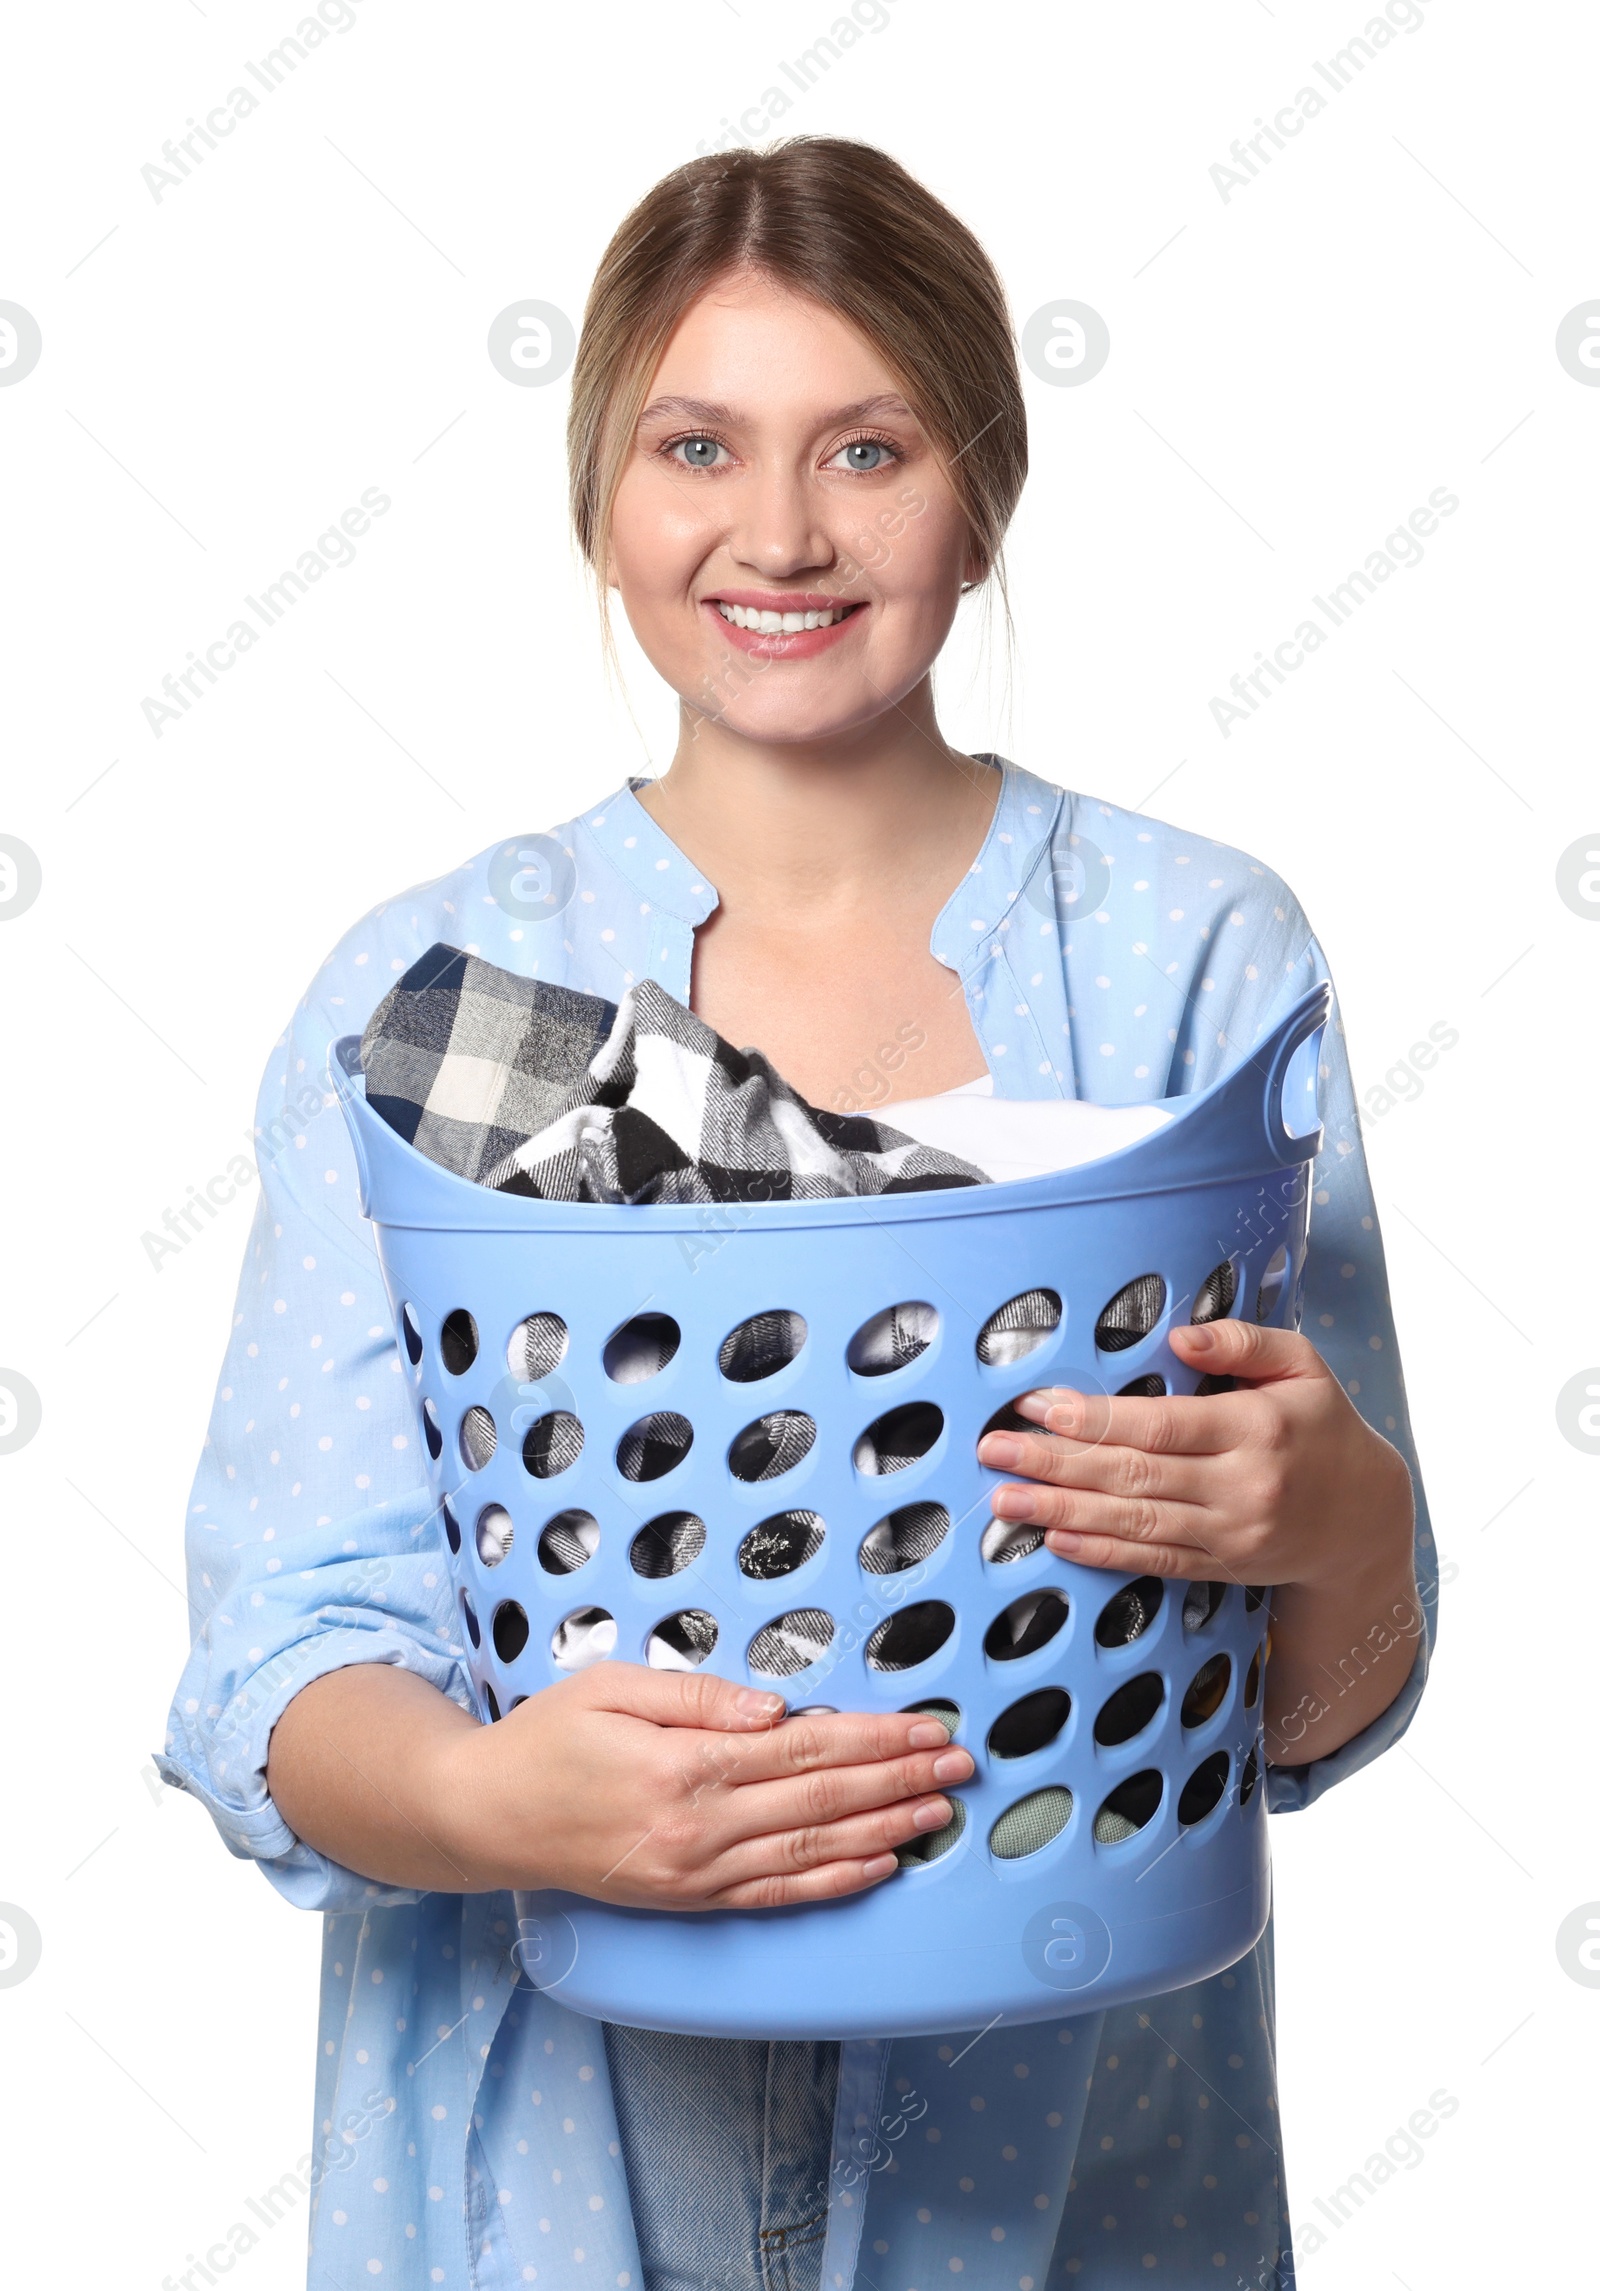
<point x="832" y="820"/>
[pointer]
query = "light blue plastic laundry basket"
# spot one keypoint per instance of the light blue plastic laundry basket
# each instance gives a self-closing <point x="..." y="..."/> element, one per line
<point x="1112" y="1842"/>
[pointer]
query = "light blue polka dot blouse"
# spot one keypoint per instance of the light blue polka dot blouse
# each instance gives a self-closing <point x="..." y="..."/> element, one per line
<point x="465" y="2130"/>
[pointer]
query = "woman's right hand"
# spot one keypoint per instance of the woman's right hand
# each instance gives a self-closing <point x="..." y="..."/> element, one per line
<point x="652" y="1789"/>
<point x="680" y="1790"/>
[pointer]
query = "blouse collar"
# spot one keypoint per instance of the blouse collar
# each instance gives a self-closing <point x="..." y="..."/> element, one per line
<point x="648" y="859"/>
<point x="971" y="921"/>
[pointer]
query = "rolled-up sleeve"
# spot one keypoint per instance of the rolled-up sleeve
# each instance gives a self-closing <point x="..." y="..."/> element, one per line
<point x="312" y="1540"/>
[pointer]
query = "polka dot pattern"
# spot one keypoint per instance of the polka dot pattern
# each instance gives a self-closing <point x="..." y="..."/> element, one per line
<point x="458" y="2103"/>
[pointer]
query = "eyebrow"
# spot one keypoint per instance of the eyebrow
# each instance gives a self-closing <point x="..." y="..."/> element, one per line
<point x="702" y="410"/>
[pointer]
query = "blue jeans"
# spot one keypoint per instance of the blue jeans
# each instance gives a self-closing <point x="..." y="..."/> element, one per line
<point x="727" y="2144"/>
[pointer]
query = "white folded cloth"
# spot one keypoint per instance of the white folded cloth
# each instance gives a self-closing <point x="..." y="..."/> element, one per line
<point x="1020" y="1137"/>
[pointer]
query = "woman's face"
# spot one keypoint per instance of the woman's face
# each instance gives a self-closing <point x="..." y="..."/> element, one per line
<point x="777" y="471"/>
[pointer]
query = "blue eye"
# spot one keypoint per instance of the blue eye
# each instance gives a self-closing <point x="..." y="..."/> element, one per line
<point x="699" y="453"/>
<point x="865" y="454"/>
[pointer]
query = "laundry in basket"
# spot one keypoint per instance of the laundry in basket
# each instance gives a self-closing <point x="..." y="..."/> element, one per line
<point x="743" y="1434"/>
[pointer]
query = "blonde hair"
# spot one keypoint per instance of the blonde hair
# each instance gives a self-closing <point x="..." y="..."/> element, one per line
<point x="845" y="225"/>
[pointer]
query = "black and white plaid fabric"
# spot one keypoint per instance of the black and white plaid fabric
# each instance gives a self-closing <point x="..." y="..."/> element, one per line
<point x="533" y="1089"/>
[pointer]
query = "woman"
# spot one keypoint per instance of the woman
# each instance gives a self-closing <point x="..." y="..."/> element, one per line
<point x="796" y="439"/>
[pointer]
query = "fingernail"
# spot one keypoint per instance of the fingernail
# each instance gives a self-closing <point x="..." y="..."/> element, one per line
<point x="880" y="1865"/>
<point x="1012" y="1503"/>
<point x="1063" y="1539"/>
<point x="954" y="1766"/>
<point x="927" y="1734"/>
<point x="751" y="1702"/>
<point x="1202" y="1339"/>
<point x="1003" y="1450"/>
<point x="934" y="1815"/>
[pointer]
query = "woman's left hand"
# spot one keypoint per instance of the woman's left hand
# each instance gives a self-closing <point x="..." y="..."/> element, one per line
<point x="1279" y="1482"/>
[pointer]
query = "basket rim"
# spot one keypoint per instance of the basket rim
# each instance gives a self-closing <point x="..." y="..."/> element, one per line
<point x="402" y="1187"/>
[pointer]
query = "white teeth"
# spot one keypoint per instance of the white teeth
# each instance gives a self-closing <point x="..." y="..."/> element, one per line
<point x="778" y="624"/>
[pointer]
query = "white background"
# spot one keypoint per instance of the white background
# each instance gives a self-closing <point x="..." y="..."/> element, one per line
<point x="1292" y="373"/>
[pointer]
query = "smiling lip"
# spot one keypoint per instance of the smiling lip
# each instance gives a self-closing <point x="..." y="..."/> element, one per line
<point x="780" y="644"/>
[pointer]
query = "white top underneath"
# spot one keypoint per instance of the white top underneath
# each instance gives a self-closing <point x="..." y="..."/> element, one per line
<point x="1020" y="1137"/>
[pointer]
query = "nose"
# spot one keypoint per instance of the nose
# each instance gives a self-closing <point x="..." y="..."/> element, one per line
<point x="777" y="529"/>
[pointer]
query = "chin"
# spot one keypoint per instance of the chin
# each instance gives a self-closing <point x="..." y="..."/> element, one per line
<point x="787" y="707"/>
<point x="799" y="725"/>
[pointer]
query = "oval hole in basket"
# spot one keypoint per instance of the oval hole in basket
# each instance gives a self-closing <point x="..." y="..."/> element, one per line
<point x="1031" y="1724"/>
<point x="538" y="1346"/>
<point x="1132" y="1313"/>
<point x="790" y="1643"/>
<point x="1007" y="1419"/>
<point x="477" y="1438"/>
<point x="1026" y="1625"/>
<point x="641" y="1348"/>
<point x="1214" y="1298"/>
<point x="1129" y="1711"/>
<point x="470" y="1614"/>
<point x="667" y="1545"/>
<point x="458" y="1341"/>
<point x="1143" y="1388"/>
<point x="510" y="1630"/>
<point x="900" y="1438"/>
<point x="654" y="1446"/>
<point x="585" y="1636"/>
<point x="1247" y="1780"/>
<point x="1029" y="1825"/>
<point x="904" y="1538"/>
<point x="1200" y="1603"/>
<point x="1209" y="1384"/>
<point x="777" y="1546"/>
<point x="494" y="1532"/>
<point x="1255" y="1593"/>
<point x="947" y="1713"/>
<point x="760" y="1346"/>
<point x="568" y="1542"/>
<point x="1252" y="1681"/>
<point x="772" y="1445"/>
<point x="1273" y="1281"/>
<point x="490" y="1703"/>
<point x="1006" y="1539"/>
<point x="892" y="1339"/>
<point x="452" y="1527"/>
<point x="1129" y="1613"/>
<point x="552" y="1444"/>
<point x="411" y="1331"/>
<point x="1207" y="1690"/>
<point x="1130" y="1806"/>
<point x="432" y="1430"/>
<point x="1019" y="1327"/>
<point x="933" y="1844"/>
<point x="912" y="1636"/>
<point x="1203" y="1790"/>
<point x="681" y="1642"/>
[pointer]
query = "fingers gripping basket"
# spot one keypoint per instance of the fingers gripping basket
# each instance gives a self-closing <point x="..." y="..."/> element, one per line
<point x="745" y="1436"/>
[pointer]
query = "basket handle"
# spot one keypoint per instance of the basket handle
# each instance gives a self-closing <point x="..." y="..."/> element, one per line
<point x="344" y="1077"/>
<point x="1292" y="1074"/>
